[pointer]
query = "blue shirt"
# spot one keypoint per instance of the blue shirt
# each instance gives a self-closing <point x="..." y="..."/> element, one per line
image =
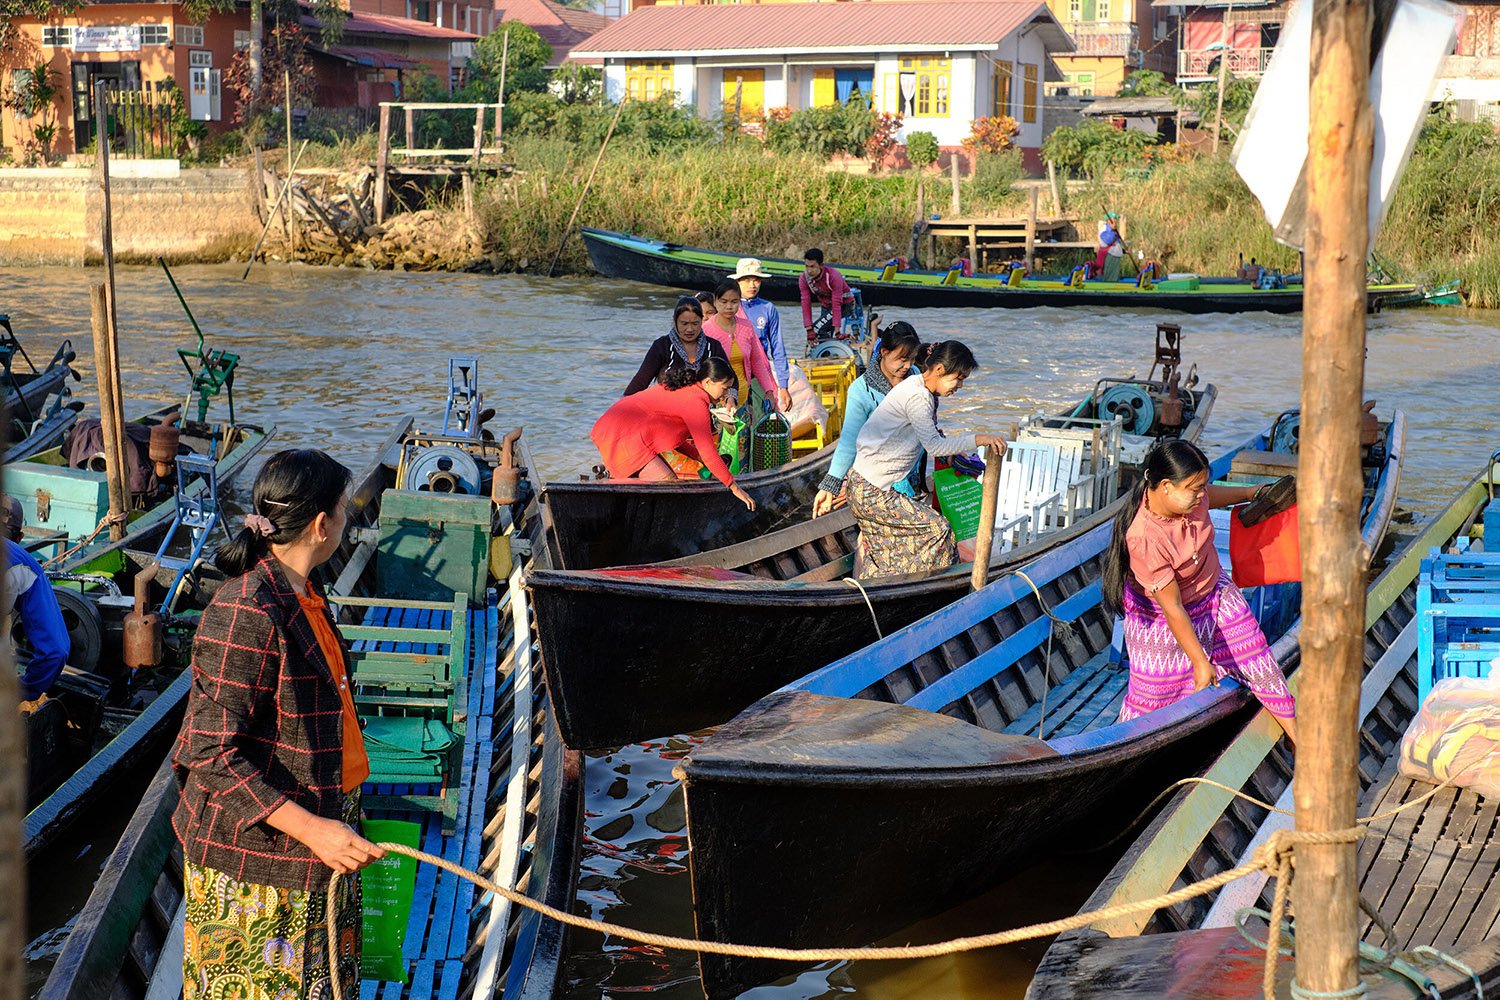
<point x="30" y="592"/>
<point x="767" y="323"/>
<point x="858" y="406"/>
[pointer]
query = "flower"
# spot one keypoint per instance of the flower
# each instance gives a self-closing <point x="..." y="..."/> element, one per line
<point x="278" y="952"/>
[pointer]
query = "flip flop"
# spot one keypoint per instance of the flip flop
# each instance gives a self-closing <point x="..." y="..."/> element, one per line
<point x="1279" y="496"/>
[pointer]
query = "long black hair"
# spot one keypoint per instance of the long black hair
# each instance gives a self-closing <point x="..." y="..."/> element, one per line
<point x="684" y="305"/>
<point x="1167" y="461"/>
<point x="711" y="367"/>
<point x="899" y="336"/>
<point x="952" y="355"/>
<point x="292" y="489"/>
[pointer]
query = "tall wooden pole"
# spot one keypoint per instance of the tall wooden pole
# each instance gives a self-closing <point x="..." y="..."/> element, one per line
<point x="106" y="321"/>
<point x="12" y="812"/>
<point x="1340" y="147"/>
<point x="990" y="498"/>
<point x="568" y="229"/>
<point x="291" y="202"/>
<point x="1223" y="72"/>
<point x="500" y="98"/>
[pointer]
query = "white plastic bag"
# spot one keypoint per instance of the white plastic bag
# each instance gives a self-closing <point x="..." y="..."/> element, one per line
<point x="1457" y="735"/>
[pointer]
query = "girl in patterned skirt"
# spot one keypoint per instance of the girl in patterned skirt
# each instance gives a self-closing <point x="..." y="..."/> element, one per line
<point x="270" y="758"/>
<point x="1186" y="624"/>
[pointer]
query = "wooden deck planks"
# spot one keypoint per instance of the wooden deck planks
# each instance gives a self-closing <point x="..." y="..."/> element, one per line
<point x="1478" y="877"/>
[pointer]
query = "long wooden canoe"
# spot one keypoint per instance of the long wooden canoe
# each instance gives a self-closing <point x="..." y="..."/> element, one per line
<point x="923" y="769"/>
<point x="1432" y="872"/>
<point x="694" y="640"/>
<point x="519" y="818"/>
<point x="635" y="258"/>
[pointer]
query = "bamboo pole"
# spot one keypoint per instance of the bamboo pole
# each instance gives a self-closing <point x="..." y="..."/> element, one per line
<point x="106" y="377"/>
<point x="382" y="163"/>
<point x="1056" y="192"/>
<point x="291" y="165"/>
<point x="1326" y="786"/>
<point x="586" y="185"/>
<point x="111" y="409"/>
<point x="500" y="98"/>
<point x="989" y="500"/>
<point x="955" y="206"/>
<point x="1223" y="72"/>
<point x="286" y="186"/>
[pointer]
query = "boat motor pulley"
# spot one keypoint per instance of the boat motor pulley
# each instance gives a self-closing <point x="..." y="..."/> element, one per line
<point x="1130" y="402"/>
<point x="444" y="468"/>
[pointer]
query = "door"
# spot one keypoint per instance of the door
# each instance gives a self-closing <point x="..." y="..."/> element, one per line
<point x="83" y="108"/>
<point x="198" y="101"/>
<point x="745" y="93"/>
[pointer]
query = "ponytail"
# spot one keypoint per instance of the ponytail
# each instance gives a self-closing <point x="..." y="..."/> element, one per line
<point x="1166" y="461"/>
<point x="292" y="489"/>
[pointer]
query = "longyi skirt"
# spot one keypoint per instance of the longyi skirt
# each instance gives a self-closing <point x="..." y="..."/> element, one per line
<point x="262" y="942"/>
<point x="898" y="534"/>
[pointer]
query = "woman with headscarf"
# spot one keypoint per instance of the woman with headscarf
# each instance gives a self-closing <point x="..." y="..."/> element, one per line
<point x="685" y="347"/>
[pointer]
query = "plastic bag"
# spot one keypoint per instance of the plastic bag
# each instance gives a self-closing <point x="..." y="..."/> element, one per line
<point x="960" y="498"/>
<point x="387" y="887"/>
<point x="1265" y="553"/>
<point x="1457" y="735"/>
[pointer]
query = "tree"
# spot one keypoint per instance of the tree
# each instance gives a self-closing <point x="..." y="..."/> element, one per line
<point x="32" y="100"/>
<point x="525" y="60"/>
<point x="1149" y="83"/>
<point x="330" y="14"/>
<point x="12" y="9"/>
<point x="922" y="149"/>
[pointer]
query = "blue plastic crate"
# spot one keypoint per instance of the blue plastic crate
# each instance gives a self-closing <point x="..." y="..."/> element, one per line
<point x="1458" y="615"/>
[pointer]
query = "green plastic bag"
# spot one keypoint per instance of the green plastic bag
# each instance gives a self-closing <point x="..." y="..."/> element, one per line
<point x="734" y="443"/>
<point x="960" y="498"/>
<point x="388" y="886"/>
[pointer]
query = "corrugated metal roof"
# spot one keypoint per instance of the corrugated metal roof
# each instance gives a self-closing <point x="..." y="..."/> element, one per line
<point x="822" y="27"/>
<point x="560" y="27"/>
<point x="379" y="24"/>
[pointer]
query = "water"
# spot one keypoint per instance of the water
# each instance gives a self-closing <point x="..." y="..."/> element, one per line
<point x="334" y="357"/>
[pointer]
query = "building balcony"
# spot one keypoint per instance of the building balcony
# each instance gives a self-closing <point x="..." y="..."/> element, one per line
<point x="1105" y="38"/>
<point x="1196" y="65"/>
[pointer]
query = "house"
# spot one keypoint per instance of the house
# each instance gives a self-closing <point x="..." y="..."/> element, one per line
<point x="1114" y="38"/>
<point x="560" y="27"/>
<point x="1471" y="76"/>
<point x="1249" y="31"/>
<point x="399" y="45"/>
<point x="129" y="46"/>
<point x="938" y="63"/>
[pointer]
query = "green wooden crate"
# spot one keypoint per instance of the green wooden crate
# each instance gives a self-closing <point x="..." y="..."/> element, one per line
<point x="433" y="545"/>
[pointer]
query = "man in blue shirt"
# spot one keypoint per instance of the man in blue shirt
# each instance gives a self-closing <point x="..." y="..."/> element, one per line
<point x="27" y="590"/>
<point x="767" y="323"/>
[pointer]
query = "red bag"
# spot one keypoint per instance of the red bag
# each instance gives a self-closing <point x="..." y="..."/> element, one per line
<point x="1266" y="553"/>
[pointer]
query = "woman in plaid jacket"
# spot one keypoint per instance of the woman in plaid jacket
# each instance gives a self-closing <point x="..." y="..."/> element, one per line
<point x="270" y="757"/>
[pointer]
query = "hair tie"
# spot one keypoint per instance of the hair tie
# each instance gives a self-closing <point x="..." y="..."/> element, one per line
<point x="260" y="524"/>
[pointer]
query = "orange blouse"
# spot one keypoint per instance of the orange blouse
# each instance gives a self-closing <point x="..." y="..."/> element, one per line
<point x="356" y="761"/>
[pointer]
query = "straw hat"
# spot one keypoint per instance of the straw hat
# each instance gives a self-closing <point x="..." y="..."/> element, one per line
<point x="748" y="267"/>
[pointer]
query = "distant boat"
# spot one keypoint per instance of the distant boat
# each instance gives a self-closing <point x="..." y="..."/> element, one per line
<point x="656" y="262"/>
<point x="925" y="768"/>
<point x="1435" y="879"/>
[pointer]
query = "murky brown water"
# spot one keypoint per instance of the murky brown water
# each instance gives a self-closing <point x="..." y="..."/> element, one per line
<point x="333" y="357"/>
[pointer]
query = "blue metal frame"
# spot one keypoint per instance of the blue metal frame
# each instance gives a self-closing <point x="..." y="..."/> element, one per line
<point x="1458" y="616"/>
<point x="463" y="398"/>
<point x="200" y="514"/>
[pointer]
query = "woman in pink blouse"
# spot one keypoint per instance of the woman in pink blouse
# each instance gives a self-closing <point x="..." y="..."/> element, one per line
<point x="735" y="334"/>
<point x="1186" y="624"/>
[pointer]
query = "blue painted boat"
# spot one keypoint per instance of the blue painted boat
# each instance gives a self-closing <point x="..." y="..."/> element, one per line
<point x="921" y="770"/>
<point x="1433" y="873"/>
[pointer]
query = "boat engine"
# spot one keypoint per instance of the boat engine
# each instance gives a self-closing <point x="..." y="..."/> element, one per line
<point x="444" y="468"/>
<point x="1160" y="404"/>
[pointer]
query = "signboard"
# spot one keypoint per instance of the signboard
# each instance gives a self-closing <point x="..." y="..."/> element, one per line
<point x="1271" y="153"/>
<point x="107" y="38"/>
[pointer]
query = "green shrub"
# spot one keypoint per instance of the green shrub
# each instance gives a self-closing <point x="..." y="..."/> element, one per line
<point x="1093" y="148"/>
<point x="838" y="128"/>
<point x="994" y="173"/>
<point x="922" y="149"/>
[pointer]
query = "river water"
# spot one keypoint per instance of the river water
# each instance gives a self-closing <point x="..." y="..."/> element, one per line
<point x="333" y="357"/>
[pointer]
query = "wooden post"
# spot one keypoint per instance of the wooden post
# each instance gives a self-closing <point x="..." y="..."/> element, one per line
<point x="411" y="130"/>
<point x="260" y="185"/>
<point x="1031" y="205"/>
<point x="271" y="217"/>
<point x="12" y="813"/>
<point x="1056" y="191"/>
<point x="1223" y="72"/>
<point x="110" y="406"/>
<point x="1326" y="786"/>
<point x="956" y="208"/>
<point x="291" y="167"/>
<point x="989" y="499"/>
<point x="107" y="378"/>
<point x="586" y="186"/>
<point x="382" y="162"/>
<point x="478" y="133"/>
<point x="500" y="99"/>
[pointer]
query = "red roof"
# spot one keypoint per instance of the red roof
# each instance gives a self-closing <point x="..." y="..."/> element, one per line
<point x="822" y="27"/>
<point x="378" y="58"/>
<point x="379" y="24"/>
<point x="561" y="27"/>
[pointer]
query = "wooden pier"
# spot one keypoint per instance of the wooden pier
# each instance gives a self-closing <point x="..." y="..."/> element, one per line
<point x="412" y="160"/>
<point x="1006" y="237"/>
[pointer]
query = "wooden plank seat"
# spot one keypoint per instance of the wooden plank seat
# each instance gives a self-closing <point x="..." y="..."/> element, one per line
<point x="410" y="662"/>
<point x="1087" y="698"/>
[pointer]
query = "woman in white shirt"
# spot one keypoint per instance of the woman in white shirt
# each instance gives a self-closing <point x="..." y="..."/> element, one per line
<point x="897" y="533"/>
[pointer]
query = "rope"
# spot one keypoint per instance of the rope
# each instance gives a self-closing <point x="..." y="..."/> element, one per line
<point x="109" y="519"/>
<point x="1058" y="625"/>
<point x="1274" y="857"/>
<point x="861" y="587"/>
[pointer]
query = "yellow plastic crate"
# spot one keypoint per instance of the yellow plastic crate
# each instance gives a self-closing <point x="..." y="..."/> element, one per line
<point x="832" y="379"/>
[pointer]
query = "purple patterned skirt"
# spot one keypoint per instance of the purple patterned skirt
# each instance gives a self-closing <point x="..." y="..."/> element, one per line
<point x="1161" y="673"/>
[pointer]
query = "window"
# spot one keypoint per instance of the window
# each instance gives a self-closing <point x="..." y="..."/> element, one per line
<point x="190" y="34"/>
<point x="647" y="79"/>
<point x="201" y="57"/>
<point x="420" y="10"/>
<point x="155" y="34"/>
<point x="1029" y="93"/>
<point x="1081" y="84"/>
<point x="1003" y="73"/>
<point x="1075" y="10"/>
<point x="929" y="98"/>
<point x="57" y="36"/>
<point x="241" y="41"/>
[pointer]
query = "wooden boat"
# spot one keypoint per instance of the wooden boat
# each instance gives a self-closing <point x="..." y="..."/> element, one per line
<point x="1432" y="872"/>
<point x="34" y="425"/>
<point x="635" y="258"/>
<point x="615" y="522"/>
<point x="920" y="771"/>
<point x="518" y="790"/>
<point x="695" y="640"/>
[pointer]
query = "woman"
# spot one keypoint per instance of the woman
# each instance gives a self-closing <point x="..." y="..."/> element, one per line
<point x="1186" y="623"/>
<point x="897" y="533"/>
<point x="633" y="433"/>
<point x="270" y="757"/>
<point x="684" y="347"/>
<point x="741" y="346"/>
<point x="895" y="352"/>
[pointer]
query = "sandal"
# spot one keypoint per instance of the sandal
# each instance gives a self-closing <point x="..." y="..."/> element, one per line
<point x="1269" y="500"/>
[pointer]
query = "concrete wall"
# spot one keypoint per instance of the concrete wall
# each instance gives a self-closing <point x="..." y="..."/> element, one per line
<point x="52" y="216"/>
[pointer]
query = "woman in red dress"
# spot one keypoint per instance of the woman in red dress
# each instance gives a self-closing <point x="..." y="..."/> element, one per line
<point x="669" y="416"/>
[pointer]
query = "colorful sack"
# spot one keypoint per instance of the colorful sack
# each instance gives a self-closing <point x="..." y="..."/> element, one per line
<point x="388" y="886"/>
<point x="960" y="499"/>
<point x="1456" y="734"/>
<point x="1265" y="553"/>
